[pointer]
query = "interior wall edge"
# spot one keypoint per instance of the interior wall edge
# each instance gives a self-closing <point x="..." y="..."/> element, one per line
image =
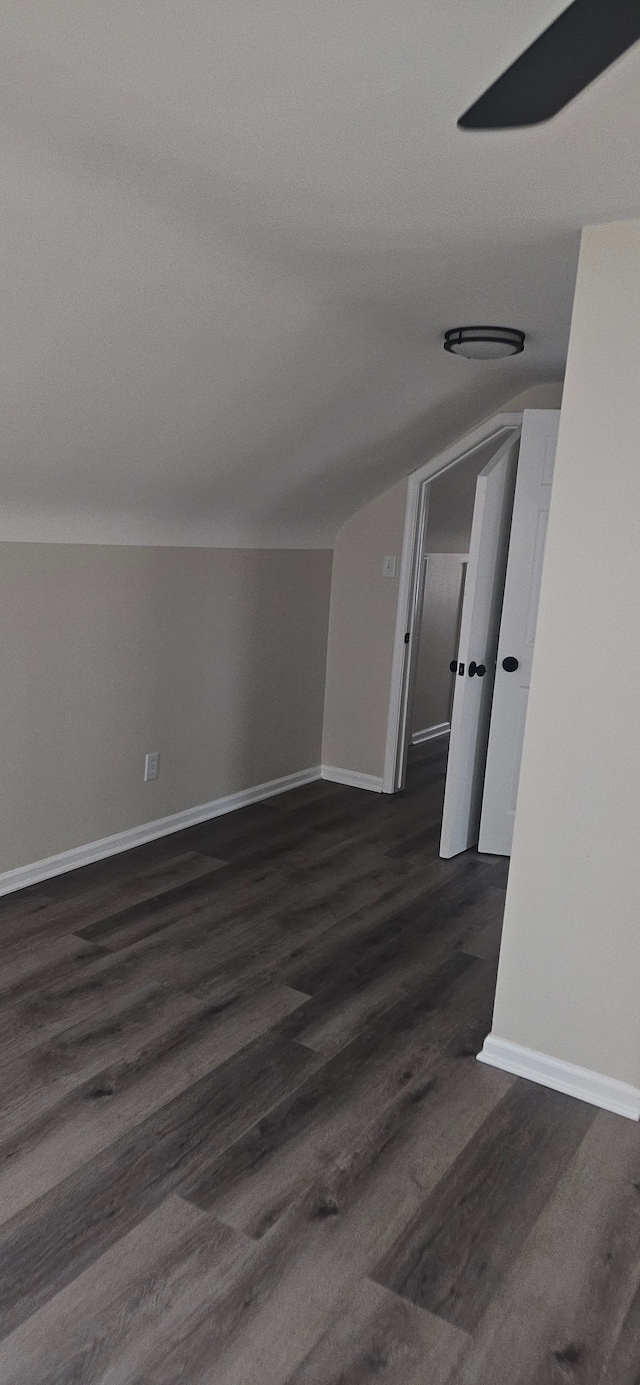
<point x="115" y="531"/>
<point x="570" y="959"/>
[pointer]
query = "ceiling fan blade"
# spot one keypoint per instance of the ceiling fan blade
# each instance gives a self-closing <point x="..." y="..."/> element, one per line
<point x="583" y="41"/>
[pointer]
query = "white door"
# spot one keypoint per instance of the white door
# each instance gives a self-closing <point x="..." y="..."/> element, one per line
<point x="479" y="628"/>
<point x="518" y="628"/>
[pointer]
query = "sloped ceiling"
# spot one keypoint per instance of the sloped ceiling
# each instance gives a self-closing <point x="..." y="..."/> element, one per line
<point x="234" y="232"/>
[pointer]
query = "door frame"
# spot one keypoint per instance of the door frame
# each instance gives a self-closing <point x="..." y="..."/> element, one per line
<point x="518" y="623"/>
<point x="499" y="428"/>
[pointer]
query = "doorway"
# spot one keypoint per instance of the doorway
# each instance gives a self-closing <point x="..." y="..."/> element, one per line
<point x="439" y="516"/>
<point x="498" y="609"/>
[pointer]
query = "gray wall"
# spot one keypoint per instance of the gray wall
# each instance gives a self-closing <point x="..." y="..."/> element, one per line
<point x="438" y="640"/>
<point x="215" y="657"/>
<point x="361" y="629"/>
<point x="451" y="500"/>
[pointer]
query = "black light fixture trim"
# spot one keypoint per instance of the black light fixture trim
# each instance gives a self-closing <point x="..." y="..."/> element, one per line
<point x="457" y="337"/>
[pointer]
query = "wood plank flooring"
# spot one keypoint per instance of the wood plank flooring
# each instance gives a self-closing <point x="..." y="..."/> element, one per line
<point x="244" y="1138"/>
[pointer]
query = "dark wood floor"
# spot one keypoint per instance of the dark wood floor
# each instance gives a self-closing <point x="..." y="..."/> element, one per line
<point x="245" y="1140"/>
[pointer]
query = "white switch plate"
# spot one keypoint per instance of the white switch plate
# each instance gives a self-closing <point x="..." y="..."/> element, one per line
<point x="151" y="765"/>
<point x="389" y="565"/>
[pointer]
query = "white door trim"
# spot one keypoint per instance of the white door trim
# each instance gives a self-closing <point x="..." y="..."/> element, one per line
<point x="431" y="733"/>
<point x="478" y="640"/>
<point x="354" y="777"/>
<point x="518" y="623"/>
<point x="498" y="429"/>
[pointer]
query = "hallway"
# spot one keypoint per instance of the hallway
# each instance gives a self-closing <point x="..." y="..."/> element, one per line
<point x="245" y="1138"/>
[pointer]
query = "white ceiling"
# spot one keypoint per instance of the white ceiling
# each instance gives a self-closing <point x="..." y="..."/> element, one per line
<point x="234" y="232"/>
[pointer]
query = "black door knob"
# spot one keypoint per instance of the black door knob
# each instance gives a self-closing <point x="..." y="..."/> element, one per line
<point x="510" y="664"/>
<point x="454" y="665"/>
<point x="478" y="669"/>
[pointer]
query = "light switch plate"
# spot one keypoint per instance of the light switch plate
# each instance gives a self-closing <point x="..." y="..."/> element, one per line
<point x="389" y="565"/>
<point x="151" y="765"/>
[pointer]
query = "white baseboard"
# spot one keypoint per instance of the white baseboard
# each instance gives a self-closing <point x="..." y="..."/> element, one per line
<point x="441" y="729"/>
<point x="353" y="777"/>
<point x="22" y="876"/>
<point x="583" y="1083"/>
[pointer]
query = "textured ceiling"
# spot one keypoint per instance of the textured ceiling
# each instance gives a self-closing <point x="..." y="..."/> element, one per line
<point x="234" y="233"/>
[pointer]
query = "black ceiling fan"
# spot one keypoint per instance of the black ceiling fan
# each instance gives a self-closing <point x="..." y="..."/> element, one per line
<point x="584" y="40"/>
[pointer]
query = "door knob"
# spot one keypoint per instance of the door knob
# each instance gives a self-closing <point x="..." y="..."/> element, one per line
<point x="454" y="665"/>
<point x="510" y="664"/>
<point x="478" y="669"/>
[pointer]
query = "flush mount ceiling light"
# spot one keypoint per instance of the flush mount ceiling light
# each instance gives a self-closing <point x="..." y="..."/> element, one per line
<point x="484" y="343"/>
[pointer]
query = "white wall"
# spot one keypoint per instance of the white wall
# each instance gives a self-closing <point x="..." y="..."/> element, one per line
<point x="569" y="979"/>
<point x="214" y="657"/>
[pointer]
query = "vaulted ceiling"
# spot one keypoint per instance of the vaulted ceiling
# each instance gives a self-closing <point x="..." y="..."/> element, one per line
<point x="234" y="232"/>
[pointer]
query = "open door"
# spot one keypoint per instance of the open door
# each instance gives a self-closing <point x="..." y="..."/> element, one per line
<point x="479" y="628"/>
<point x="518" y="628"/>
